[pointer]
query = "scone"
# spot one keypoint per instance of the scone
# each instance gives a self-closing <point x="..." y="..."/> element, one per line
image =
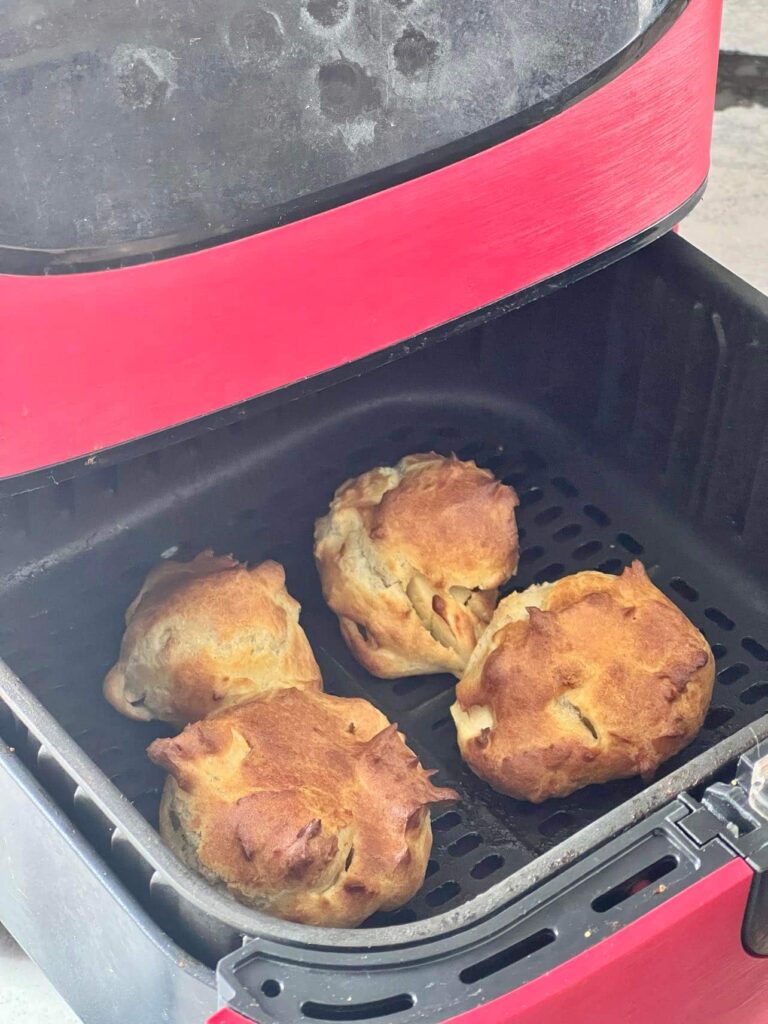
<point x="306" y="806"/>
<point x="410" y="559"/>
<point x="592" y="678"/>
<point x="207" y="634"/>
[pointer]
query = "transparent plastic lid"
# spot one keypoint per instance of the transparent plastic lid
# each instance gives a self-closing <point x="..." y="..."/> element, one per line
<point x="132" y="125"/>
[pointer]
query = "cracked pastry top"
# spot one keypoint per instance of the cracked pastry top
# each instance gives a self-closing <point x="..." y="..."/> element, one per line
<point x="592" y="678"/>
<point x="411" y="558"/>
<point x="207" y="634"/>
<point x="305" y="806"/>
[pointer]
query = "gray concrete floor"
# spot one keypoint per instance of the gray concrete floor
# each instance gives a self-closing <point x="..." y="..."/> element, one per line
<point x="26" y="995"/>
<point x="745" y="26"/>
<point x="730" y="223"/>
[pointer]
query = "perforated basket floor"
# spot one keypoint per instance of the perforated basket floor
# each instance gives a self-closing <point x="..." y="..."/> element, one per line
<point x="255" y="489"/>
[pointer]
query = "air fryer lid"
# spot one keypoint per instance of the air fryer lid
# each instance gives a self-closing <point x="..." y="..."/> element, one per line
<point x="127" y="125"/>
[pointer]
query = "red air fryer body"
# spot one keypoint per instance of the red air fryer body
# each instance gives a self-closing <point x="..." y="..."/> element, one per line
<point x="97" y="357"/>
<point x="208" y="213"/>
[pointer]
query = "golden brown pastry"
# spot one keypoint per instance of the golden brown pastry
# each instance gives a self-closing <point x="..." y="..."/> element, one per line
<point x="592" y="678"/>
<point x="410" y="559"/>
<point x="206" y="634"/>
<point x="303" y="805"/>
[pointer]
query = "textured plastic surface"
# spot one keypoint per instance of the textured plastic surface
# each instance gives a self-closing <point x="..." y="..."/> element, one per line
<point x="120" y="124"/>
<point x="673" y="390"/>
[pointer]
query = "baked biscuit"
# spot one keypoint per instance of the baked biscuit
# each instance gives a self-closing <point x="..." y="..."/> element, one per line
<point x="206" y="634"/>
<point x="303" y="805"/>
<point x="410" y="559"/>
<point x="592" y="678"/>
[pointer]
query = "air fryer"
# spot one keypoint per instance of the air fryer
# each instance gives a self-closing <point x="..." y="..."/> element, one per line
<point x="283" y="245"/>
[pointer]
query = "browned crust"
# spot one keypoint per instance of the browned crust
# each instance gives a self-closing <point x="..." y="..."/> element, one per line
<point x="608" y="681"/>
<point x="205" y="634"/>
<point x="410" y="559"/>
<point x="307" y="806"/>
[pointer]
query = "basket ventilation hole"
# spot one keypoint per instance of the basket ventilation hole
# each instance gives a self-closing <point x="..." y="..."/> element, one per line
<point x="719" y="651"/>
<point x="628" y="542"/>
<point x="506" y="957"/>
<point x="405" y="915"/>
<point x="487" y="866"/>
<point x="531" y="554"/>
<point x="641" y="880"/>
<point x="530" y="497"/>
<point x="549" y="573"/>
<point x="514" y="478"/>
<point x="754" y="694"/>
<point x="751" y="646"/>
<point x="684" y="589"/>
<point x="359" y="1011"/>
<point x="548" y="515"/>
<point x="732" y="673"/>
<point x="719" y="618"/>
<point x="587" y="550"/>
<point x="432" y="867"/>
<point x="597" y="515"/>
<point x="718" y="716"/>
<point x="466" y="844"/>
<point x="446" y="822"/>
<point x="611" y="565"/>
<point x="271" y="988"/>
<point x="565" y="486"/>
<point x="442" y="894"/>
<point x="568" y="532"/>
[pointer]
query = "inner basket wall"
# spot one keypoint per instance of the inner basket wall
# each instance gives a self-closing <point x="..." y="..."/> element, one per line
<point x="605" y="405"/>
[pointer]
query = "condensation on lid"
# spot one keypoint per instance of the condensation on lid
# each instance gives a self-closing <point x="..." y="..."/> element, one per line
<point x="123" y="121"/>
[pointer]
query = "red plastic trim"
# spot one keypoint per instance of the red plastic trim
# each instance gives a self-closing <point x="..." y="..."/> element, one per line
<point x="227" y="1016"/>
<point x="92" y="360"/>
<point x="681" y="963"/>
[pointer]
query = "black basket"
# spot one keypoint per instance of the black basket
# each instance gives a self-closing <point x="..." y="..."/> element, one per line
<point x="628" y="410"/>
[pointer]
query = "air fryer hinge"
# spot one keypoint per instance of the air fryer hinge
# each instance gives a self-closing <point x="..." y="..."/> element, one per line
<point x="728" y="813"/>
